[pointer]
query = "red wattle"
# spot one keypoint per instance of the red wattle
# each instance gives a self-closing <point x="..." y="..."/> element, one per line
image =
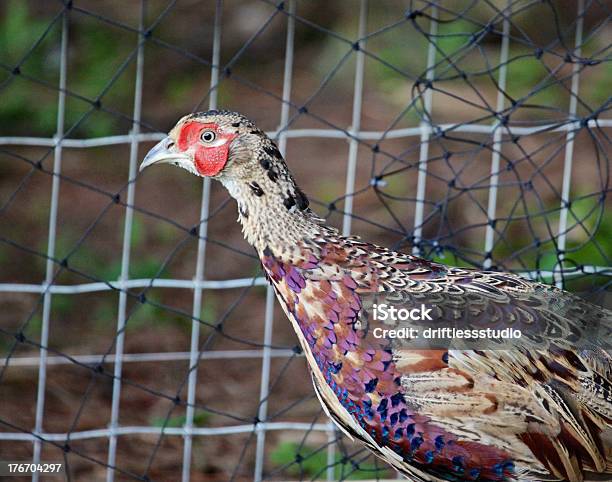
<point x="210" y="161"/>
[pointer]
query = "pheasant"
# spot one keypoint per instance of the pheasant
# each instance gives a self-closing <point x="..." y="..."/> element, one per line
<point x="532" y="413"/>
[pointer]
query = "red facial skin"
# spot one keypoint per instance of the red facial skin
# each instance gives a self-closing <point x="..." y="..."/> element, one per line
<point x="209" y="161"/>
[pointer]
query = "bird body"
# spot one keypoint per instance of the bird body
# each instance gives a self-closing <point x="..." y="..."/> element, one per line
<point x="541" y="412"/>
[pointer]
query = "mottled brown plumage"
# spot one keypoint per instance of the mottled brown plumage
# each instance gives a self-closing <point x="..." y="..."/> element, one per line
<point x="539" y="411"/>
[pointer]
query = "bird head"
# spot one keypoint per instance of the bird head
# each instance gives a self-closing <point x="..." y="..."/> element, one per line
<point x="209" y="144"/>
<point x="228" y="147"/>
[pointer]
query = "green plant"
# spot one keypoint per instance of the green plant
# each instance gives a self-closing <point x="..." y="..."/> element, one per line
<point x="210" y="310"/>
<point x="200" y="419"/>
<point x="96" y="56"/>
<point x="148" y="314"/>
<point x="145" y="267"/>
<point x="526" y="73"/>
<point x="453" y="37"/>
<point x="447" y="256"/>
<point x="313" y="463"/>
<point x="18" y="32"/>
<point x="63" y="304"/>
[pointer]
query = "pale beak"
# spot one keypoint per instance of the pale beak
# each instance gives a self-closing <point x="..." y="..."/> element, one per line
<point x="164" y="152"/>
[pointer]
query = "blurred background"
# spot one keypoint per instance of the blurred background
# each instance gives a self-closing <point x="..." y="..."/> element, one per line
<point x="402" y="120"/>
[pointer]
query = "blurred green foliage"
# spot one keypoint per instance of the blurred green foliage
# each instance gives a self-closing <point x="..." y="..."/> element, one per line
<point x="93" y="58"/>
<point x="589" y="242"/>
<point x="588" y="239"/>
<point x="200" y="419"/>
<point x="148" y="314"/>
<point x="452" y="37"/>
<point x="450" y="257"/>
<point x="33" y="328"/>
<point x="85" y="257"/>
<point x="599" y="89"/>
<point x="102" y="264"/>
<point x="18" y="31"/>
<point x="313" y="463"/>
<point x="527" y="73"/>
<point x="210" y="310"/>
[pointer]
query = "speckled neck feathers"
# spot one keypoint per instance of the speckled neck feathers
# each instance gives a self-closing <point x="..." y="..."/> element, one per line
<point x="273" y="211"/>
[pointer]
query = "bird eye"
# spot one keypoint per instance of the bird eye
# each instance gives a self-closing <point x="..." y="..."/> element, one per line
<point x="208" y="136"/>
